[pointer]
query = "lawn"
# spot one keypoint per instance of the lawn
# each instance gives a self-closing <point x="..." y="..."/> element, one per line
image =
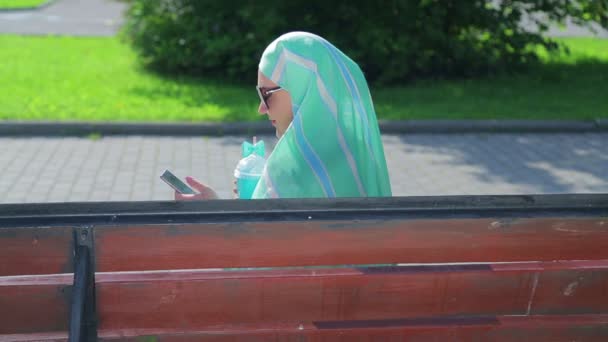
<point x="69" y="78"/>
<point x="10" y="4"/>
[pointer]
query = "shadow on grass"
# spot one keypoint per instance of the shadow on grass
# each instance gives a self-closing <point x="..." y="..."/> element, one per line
<point x="548" y="91"/>
<point x="234" y="102"/>
<point x="583" y="69"/>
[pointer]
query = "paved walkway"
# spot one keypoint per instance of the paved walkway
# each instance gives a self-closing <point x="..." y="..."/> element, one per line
<point x="127" y="168"/>
<point x="104" y="18"/>
<point x="67" y="17"/>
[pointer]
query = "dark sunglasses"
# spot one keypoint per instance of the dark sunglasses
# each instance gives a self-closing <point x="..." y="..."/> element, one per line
<point x="265" y="94"/>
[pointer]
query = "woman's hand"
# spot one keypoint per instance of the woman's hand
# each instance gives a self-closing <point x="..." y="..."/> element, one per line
<point x="205" y="192"/>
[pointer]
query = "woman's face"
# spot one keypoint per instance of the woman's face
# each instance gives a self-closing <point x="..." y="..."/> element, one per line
<point x="279" y="108"/>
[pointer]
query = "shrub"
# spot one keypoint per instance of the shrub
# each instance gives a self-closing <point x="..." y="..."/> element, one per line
<point x="392" y="41"/>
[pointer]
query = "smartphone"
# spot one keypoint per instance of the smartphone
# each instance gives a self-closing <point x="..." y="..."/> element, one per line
<point x="176" y="183"/>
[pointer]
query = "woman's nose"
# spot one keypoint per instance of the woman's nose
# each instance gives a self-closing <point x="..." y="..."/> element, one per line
<point x="262" y="109"/>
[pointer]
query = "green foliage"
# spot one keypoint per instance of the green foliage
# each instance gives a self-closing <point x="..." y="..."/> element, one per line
<point x="393" y="41"/>
<point x="198" y="38"/>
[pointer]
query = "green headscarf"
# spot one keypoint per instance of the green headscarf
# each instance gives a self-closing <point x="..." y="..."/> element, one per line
<point x="333" y="146"/>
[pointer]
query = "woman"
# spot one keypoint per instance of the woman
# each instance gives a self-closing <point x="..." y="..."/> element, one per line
<point x="329" y="142"/>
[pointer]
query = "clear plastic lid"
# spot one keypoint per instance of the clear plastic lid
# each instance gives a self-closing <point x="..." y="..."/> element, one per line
<point x="251" y="166"/>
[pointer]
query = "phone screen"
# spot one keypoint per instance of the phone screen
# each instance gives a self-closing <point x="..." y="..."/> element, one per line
<point x="176" y="183"/>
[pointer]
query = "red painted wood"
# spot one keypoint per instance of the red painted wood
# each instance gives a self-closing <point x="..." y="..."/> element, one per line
<point x="271" y="244"/>
<point x="554" y="329"/>
<point x="35" y="250"/>
<point x="506" y="328"/>
<point x="193" y="298"/>
<point x="187" y="304"/>
<point x="55" y="336"/>
<point x="589" y="290"/>
<point x="188" y="299"/>
<point x="31" y="304"/>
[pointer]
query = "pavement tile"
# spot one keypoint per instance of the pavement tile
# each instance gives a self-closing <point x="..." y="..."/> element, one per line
<point x="419" y="165"/>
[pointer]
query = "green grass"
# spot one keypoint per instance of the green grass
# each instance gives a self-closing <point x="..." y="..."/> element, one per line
<point x="61" y="78"/>
<point x="68" y="78"/>
<point x="10" y="4"/>
<point x="564" y="87"/>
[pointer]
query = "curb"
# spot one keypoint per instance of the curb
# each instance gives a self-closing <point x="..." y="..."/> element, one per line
<point x="24" y="128"/>
<point x="131" y="128"/>
<point x="494" y="126"/>
<point x="30" y="8"/>
<point x="602" y="124"/>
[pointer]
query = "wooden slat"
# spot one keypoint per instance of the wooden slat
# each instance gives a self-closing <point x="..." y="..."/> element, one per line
<point x="589" y="290"/>
<point x="548" y="328"/>
<point x="199" y="299"/>
<point x="190" y="298"/>
<point x="35" y="251"/>
<point x="500" y="329"/>
<point x="55" y="336"/>
<point x="568" y="328"/>
<point x="297" y="243"/>
<point x="30" y="304"/>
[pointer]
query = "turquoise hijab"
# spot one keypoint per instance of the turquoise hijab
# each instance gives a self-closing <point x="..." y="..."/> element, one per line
<point x="333" y="146"/>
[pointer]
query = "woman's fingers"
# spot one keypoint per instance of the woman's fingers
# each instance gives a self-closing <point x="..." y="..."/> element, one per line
<point x="205" y="191"/>
<point x="195" y="184"/>
<point x="183" y="197"/>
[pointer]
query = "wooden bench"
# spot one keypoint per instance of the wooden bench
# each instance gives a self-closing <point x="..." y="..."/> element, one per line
<point x="462" y="268"/>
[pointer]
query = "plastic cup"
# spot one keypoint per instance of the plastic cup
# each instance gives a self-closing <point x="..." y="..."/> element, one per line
<point x="247" y="173"/>
<point x="246" y="184"/>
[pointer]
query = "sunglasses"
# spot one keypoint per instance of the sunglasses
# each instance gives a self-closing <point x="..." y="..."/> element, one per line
<point x="265" y="94"/>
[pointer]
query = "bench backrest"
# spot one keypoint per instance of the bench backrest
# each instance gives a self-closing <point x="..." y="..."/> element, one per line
<point x="481" y="267"/>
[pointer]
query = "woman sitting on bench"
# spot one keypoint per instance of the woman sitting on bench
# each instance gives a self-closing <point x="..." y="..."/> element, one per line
<point x="329" y="141"/>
